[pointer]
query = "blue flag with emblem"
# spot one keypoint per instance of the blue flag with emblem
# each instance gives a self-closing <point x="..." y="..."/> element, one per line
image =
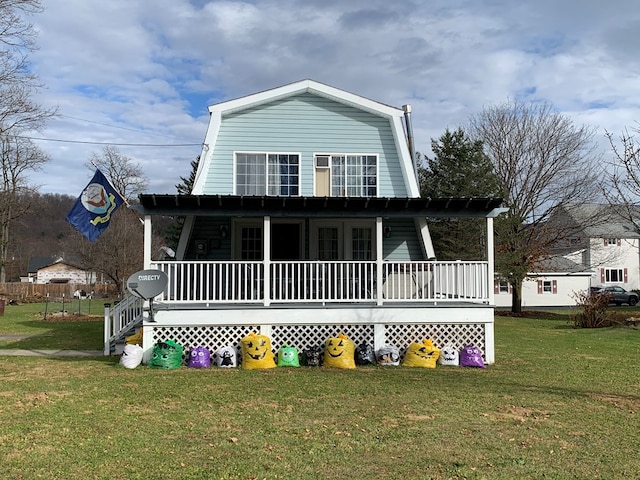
<point x="92" y="211"/>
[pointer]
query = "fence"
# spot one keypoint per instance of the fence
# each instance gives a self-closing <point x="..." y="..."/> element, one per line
<point x="39" y="291"/>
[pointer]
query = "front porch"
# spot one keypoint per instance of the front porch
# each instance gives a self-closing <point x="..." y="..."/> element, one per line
<point x="369" y="287"/>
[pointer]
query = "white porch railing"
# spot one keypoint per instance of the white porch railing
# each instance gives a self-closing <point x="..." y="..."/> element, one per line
<point x="120" y="319"/>
<point x="312" y="282"/>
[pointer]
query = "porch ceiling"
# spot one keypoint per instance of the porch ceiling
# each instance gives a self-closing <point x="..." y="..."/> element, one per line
<point x="234" y="205"/>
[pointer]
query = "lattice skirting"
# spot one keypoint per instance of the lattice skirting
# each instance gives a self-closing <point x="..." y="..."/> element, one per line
<point x="302" y="337"/>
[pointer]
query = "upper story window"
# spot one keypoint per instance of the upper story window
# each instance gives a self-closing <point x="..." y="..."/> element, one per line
<point x="342" y="175"/>
<point x="615" y="242"/>
<point x="276" y="174"/>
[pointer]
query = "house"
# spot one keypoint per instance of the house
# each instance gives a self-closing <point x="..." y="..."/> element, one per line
<point x="557" y="282"/>
<point x="599" y="245"/>
<point x="305" y="221"/>
<point x="58" y="270"/>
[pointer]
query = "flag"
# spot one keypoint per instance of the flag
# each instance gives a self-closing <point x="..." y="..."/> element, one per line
<point x="92" y="211"/>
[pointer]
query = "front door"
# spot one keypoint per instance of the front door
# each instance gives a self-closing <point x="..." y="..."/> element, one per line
<point x="286" y="241"/>
<point x="343" y="240"/>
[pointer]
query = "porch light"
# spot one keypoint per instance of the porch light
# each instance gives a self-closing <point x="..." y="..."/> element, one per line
<point x="387" y="232"/>
<point x="224" y="229"/>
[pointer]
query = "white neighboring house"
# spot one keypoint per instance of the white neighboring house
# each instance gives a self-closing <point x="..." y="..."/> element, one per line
<point x="554" y="285"/>
<point x="58" y="270"/>
<point x="602" y="249"/>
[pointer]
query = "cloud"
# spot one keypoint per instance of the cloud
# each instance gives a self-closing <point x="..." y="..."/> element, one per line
<point x="144" y="72"/>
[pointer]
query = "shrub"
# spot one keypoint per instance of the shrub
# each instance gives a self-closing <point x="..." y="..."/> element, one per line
<point x="593" y="311"/>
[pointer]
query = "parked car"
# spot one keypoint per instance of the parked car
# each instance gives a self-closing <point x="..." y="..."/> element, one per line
<point x="618" y="294"/>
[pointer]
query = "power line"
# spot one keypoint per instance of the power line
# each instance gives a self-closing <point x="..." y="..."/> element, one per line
<point x="111" y="143"/>
<point x="137" y="130"/>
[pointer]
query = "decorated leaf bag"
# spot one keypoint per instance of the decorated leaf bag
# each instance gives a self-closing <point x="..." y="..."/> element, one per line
<point x="135" y="339"/>
<point x="471" y="356"/>
<point x="311" y="357"/>
<point x="389" y="355"/>
<point x="166" y="355"/>
<point x="365" y="354"/>
<point x="288" y="357"/>
<point x="339" y="352"/>
<point x="226" y="357"/>
<point x="449" y="356"/>
<point x="131" y="356"/>
<point x="256" y="352"/>
<point x="423" y="355"/>
<point x="199" y="357"/>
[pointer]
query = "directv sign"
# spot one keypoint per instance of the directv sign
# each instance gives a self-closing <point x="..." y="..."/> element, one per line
<point x="147" y="283"/>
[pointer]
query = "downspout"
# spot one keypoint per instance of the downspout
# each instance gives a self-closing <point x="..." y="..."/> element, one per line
<point x="410" y="143"/>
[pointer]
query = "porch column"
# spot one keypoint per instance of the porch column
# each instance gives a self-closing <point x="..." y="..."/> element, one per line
<point x="379" y="259"/>
<point x="490" y="262"/>
<point x="148" y="236"/>
<point x="266" y="255"/>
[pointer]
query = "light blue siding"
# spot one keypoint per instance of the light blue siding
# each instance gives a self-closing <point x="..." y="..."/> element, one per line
<point x="305" y="124"/>
<point x="404" y="243"/>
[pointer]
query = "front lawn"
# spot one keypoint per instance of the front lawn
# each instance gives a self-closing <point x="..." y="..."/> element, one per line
<point x="559" y="403"/>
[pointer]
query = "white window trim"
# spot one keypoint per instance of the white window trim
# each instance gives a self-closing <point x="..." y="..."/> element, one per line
<point x="266" y="171"/>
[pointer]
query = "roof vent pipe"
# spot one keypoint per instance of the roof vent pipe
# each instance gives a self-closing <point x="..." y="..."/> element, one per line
<point x="409" y="128"/>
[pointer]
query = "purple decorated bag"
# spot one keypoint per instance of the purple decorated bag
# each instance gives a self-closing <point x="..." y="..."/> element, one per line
<point x="199" y="357"/>
<point x="471" y="356"/>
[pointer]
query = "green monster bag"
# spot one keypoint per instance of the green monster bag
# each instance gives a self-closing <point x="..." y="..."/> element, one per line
<point x="166" y="355"/>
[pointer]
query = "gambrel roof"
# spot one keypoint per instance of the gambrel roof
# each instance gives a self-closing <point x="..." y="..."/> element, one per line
<point x="392" y="114"/>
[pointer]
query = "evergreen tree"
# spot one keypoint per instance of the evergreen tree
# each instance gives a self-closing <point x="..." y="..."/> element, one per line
<point x="459" y="168"/>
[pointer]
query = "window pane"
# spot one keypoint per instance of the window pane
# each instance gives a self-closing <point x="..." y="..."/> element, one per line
<point x="284" y="178"/>
<point x="328" y="243"/>
<point x="361" y="243"/>
<point x="250" y="174"/>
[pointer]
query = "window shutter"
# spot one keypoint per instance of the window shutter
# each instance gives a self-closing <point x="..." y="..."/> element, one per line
<point x="625" y="276"/>
<point x="496" y="287"/>
<point x="605" y="242"/>
<point x="539" y="287"/>
<point x="602" y="275"/>
<point x="554" y="287"/>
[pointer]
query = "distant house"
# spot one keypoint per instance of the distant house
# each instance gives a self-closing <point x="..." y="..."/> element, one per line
<point x="554" y="284"/>
<point x="57" y="270"/>
<point x="600" y="246"/>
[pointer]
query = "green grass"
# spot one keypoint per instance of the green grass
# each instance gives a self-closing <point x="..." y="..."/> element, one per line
<point x="80" y="327"/>
<point x="559" y="403"/>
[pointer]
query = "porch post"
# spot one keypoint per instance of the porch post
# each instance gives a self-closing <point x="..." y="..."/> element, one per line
<point x="489" y="339"/>
<point x="266" y="249"/>
<point x="379" y="259"/>
<point x="490" y="262"/>
<point x="147" y="242"/>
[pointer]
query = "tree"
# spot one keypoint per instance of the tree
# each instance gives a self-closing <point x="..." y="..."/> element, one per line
<point x="623" y="186"/>
<point x="18" y="113"/>
<point x="543" y="162"/>
<point x="459" y="168"/>
<point x="186" y="186"/>
<point x="18" y="156"/>
<point x="18" y="110"/>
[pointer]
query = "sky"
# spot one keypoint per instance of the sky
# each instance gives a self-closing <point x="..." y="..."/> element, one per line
<point x="141" y="74"/>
